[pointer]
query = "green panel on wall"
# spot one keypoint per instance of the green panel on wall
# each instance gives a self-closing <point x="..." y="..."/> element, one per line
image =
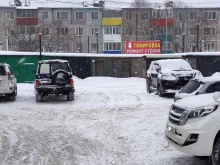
<point x="23" y="66"/>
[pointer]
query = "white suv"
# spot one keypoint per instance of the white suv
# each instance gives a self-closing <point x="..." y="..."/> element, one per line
<point x="8" y="82"/>
<point x="193" y="126"/>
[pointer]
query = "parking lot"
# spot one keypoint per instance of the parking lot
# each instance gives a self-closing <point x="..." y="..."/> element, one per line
<point x="111" y="121"/>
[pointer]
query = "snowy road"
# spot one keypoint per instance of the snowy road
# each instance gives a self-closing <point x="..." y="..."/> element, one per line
<point x="111" y="121"/>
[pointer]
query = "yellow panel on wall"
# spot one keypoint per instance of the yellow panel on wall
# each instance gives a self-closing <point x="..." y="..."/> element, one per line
<point x="111" y="21"/>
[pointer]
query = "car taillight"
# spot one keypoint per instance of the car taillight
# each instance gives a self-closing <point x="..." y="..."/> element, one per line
<point x="9" y="76"/>
<point x="71" y="82"/>
<point x="37" y="83"/>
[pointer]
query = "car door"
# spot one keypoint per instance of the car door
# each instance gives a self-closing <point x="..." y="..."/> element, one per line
<point x="154" y="74"/>
<point x="3" y="79"/>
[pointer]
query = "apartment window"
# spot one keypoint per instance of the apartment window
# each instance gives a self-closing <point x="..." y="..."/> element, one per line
<point x="10" y="15"/>
<point x="192" y="16"/>
<point x="45" y="31"/>
<point x="112" y="30"/>
<point x="128" y="16"/>
<point x="210" y="15"/>
<point x="144" y="32"/>
<point x="169" y="46"/>
<point x="112" y="46"/>
<point x="79" y="31"/>
<point x="128" y="31"/>
<point x="27" y="13"/>
<point x="144" y="16"/>
<point x="192" y="31"/>
<point x="209" y="47"/>
<point x="80" y="47"/>
<point x="94" y="47"/>
<point x="27" y="30"/>
<point x="178" y="31"/>
<point x="62" y="15"/>
<point x="162" y="30"/>
<point x="192" y="47"/>
<point x="95" y="15"/>
<point x="45" y="15"/>
<point x="209" y="31"/>
<point x="180" y="16"/>
<point x="79" y="15"/>
<point x="62" y="31"/>
<point x="176" y="47"/>
<point x="94" y="31"/>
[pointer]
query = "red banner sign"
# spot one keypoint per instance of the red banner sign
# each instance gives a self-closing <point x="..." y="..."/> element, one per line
<point x="143" y="47"/>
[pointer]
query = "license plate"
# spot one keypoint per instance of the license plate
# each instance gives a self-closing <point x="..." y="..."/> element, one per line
<point x="171" y="129"/>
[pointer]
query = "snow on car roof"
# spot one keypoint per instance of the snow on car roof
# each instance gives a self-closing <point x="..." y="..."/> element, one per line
<point x="210" y="79"/>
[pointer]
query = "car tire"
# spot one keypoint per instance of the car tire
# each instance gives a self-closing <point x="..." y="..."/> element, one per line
<point x="12" y="97"/>
<point x="61" y="82"/>
<point x="39" y="98"/>
<point x="148" y="86"/>
<point x="215" y="157"/>
<point x="160" y="90"/>
<point x="70" y="96"/>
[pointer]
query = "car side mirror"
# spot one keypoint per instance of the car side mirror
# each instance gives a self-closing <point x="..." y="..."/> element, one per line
<point x="216" y="96"/>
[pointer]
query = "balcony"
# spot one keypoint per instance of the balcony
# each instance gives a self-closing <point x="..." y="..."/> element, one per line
<point x="27" y="21"/>
<point x="111" y="21"/>
<point x="161" y="22"/>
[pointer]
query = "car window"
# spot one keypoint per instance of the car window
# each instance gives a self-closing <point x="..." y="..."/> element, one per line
<point x="11" y="71"/>
<point x="191" y="86"/>
<point x="213" y="88"/>
<point x="45" y="69"/>
<point x="2" y="71"/>
<point x="56" y="66"/>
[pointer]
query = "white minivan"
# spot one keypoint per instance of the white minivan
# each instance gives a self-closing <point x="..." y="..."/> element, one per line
<point x="193" y="126"/>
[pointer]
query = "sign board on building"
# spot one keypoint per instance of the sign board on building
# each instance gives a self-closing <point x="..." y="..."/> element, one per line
<point x="143" y="47"/>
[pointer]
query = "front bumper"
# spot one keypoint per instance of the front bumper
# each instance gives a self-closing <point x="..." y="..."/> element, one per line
<point x="206" y="128"/>
<point x="175" y="84"/>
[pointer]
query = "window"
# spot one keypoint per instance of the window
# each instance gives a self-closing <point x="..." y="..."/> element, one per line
<point x="10" y="15"/>
<point x="79" y="31"/>
<point x="160" y="30"/>
<point x="192" y="47"/>
<point x="144" y="32"/>
<point x="27" y="13"/>
<point x="128" y="32"/>
<point x="178" y="31"/>
<point x="94" y="31"/>
<point x="94" y="47"/>
<point x="112" y="46"/>
<point x="2" y="71"/>
<point x="192" y="16"/>
<point x="27" y="30"/>
<point x="192" y="31"/>
<point x="128" y="16"/>
<point x="62" y="15"/>
<point x="45" y="15"/>
<point x="176" y="47"/>
<point x="62" y="31"/>
<point x="210" y="15"/>
<point x="45" y="31"/>
<point x="209" y="31"/>
<point x="213" y="88"/>
<point x="79" y="15"/>
<point x="112" y="30"/>
<point x="144" y="16"/>
<point x="180" y="16"/>
<point x="44" y="69"/>
<point x="209" y="47"/>
<point x="95" y="15"/>
<point x="80" y="47"/>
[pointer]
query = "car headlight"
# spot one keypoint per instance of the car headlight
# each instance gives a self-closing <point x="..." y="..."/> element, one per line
<point x="202" y="111"/>
<point x="169" y="77"/>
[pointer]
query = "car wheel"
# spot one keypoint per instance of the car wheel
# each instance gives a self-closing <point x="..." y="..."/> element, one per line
<point x="12" y="97"/>
<point x="16" y="91"/>
<point x="148" y="86"/>
<point x="216" y="152"/>
<point x="39" y="98"/>
<point x="160" y="90"/>
<point x="70" y="96"/>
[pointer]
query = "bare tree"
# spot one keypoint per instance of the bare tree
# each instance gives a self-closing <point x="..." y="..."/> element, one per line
<point x="140" y="4"/>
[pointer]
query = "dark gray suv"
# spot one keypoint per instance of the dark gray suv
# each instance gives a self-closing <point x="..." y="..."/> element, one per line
<point x="54" y="77"/>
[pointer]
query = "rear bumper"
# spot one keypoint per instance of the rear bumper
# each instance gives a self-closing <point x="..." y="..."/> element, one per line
<point x="9" y="90"/>
<point x="54" y="89"/>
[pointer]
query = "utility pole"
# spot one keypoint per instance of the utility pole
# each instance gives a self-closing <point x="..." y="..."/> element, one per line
<point x="197" y="38"/>
<point x="80" y="42"/>
<point x="183" y="42"/>
<point x="97" y="42"/>
<point x="88" y="44"/>
<point x="40" y="34"/>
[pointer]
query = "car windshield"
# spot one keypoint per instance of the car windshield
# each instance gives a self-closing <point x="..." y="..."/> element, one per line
<point x="191" y="86"/>
<point x="175" y="65"/>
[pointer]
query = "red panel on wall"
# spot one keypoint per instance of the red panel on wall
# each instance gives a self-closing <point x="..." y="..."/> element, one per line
<point x="161" y="22"/>
<point x="27" y="21"/>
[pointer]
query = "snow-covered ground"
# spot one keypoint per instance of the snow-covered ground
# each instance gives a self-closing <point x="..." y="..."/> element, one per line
<point x="111" y="121"/>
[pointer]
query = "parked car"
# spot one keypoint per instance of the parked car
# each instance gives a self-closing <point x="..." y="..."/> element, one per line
<point x="169" y="76"/>
<point x="193" y="126"/>
<point x="54" y="77"/>
<point x="8" y="82"/>
<point x="199" y="86"/>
